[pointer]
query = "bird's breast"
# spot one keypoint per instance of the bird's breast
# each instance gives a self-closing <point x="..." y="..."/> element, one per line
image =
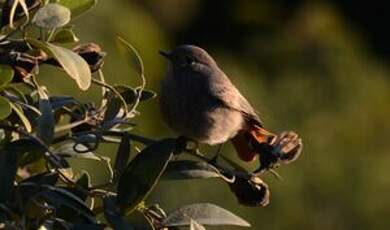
<point x="189" y="110"/>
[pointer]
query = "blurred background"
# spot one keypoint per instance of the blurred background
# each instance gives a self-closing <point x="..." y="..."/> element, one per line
<point x="320" y="68"/>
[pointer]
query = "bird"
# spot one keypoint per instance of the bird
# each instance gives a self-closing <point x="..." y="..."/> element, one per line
<point x="198" y="101"/>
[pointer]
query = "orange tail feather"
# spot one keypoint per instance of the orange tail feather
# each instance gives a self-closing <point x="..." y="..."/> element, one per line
<point x="243" y="142"/>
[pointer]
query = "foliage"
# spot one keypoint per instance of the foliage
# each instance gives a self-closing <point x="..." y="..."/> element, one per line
<point x="41" y="132"/>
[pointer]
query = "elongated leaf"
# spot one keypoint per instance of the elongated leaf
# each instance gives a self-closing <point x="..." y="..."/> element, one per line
<point x="60" y="101"/>
<point x="46" y="121"/>
<point x="131" y="55"/>
<point x="74" y="65"/>
<point x="113" y="108"/>
<point x="196" y="226"/>
<point x="142" y="173"/>
<point x="58" y="197"/>
<point x="205" y="214"/>
<point x="185" y="169"/>
<point x="78" y="7"/>
<point x="65" y="36"/>
<point x="49" y="178"/>
<point x="52" y="16"/>
<point x="26" y="123"/>
<point x="114" y="217"/>
<point x="6" y="75"/>
<point x="5" y="108"/>
<point x="123" y="154"/>
<point x="68" y="150"/>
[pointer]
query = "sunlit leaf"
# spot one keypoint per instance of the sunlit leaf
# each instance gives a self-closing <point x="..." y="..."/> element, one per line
<point x="143" y="172"/>
<point x="78" y="7"/>
<point x="6" y="75"/>
<point x="26" y="123"/>
<point x="185" y="169"/>
<point x="205" y="214"/>
<point x="52" y="16"/>
<point x="74" y="65"/>
<point x="78" y="151"/>
<point x="65" y="36"/>
<point x="5" y="108"/>
<point x="196" y="226"/>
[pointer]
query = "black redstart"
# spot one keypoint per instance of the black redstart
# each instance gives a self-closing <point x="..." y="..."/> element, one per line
<point x="199" y="101"/>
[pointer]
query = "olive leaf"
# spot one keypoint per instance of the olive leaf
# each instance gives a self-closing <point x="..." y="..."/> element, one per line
<point x="205" y="214"/>
<point x="59" y="198"/>
<point x="78" y="7"/>
<point x="186" y="169"/>
<point x="5" y="108"/>
<point x="6" y="75"/>
<point x="143" y="172"/>
<point x="19" y="112"/>
<point x="64" y="36"/>
<point x="52" y="16"/>
<point x="196" y="226"/>
<point x="73" y="64"/>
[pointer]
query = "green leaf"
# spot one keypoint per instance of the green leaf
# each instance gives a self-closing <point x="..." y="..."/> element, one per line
<point x="143" y="173"/>
<point x="26" y="123"/>
<point x="196" y="226"/>
<point x="131" y="55"/>
<point x="116" y="220"/>
<point x="78" y="7"/>
<point x="46" y="122"/>
<point x="65" y="36"/>
<point x="68" y="150"/>
<point x="74" y="65"/>
<point x="6" y="75"/>
<point x="5" y="108"/>
<point x="59" y="198"/>
<point x="205" y="214"/>
<point x="185" y="169"/>
<point x="52" y="16"/>
<point x="49" y="178"/>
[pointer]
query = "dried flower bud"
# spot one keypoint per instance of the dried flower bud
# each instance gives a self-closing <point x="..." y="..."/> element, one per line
<point x="290" y="147"/>
<point x="92" y="54"/>
<point x="251" y="192"/>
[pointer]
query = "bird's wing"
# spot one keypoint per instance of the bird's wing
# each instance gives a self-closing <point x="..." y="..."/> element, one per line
<point x="223" y="90"/>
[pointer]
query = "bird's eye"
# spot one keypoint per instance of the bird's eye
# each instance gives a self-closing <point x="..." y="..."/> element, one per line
<point x="189" y="60"/>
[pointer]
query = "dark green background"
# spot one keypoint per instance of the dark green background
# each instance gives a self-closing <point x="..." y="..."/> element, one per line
<point x="320" y="68"/>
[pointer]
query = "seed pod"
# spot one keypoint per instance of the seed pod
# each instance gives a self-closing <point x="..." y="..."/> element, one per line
<point x="251" y="192"/>
<point x="92" y="54"/>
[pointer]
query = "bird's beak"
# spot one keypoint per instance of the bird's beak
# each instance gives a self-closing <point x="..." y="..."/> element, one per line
<point x="165" y="54"/>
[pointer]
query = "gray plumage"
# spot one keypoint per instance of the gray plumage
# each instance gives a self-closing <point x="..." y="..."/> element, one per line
<point x="199" y="101"/>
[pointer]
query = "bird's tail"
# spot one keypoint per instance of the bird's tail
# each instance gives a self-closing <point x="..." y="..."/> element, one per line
<point x="272" y="148"/>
